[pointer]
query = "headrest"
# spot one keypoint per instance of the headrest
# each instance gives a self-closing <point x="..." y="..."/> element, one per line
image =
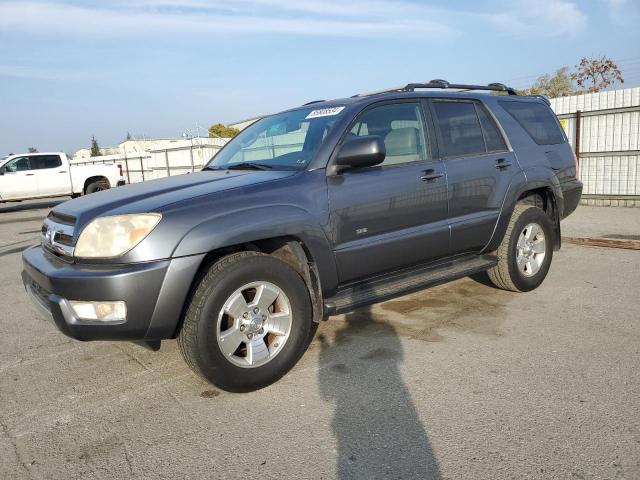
<point x="402" y="141"/>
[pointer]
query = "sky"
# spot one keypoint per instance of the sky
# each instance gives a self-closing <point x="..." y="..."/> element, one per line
<point x="70" y="69"/>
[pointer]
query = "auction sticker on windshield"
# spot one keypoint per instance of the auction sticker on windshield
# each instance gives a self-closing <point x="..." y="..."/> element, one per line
<point x="324" y="112"/>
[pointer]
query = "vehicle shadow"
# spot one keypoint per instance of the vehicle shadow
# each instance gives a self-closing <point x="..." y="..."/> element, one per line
<point x="23" y="206"/>
<point x="375" y="422"/>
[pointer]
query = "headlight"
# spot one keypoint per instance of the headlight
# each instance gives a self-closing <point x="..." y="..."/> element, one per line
<point x="108" y="237"/>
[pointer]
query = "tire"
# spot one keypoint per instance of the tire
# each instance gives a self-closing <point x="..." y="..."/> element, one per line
<point x="507" y="274"/>
<point x="97" y="186"/>
<point x="216" y="311"/>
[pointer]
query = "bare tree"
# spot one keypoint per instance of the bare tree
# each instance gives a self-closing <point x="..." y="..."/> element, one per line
<point x="596" y="74"/>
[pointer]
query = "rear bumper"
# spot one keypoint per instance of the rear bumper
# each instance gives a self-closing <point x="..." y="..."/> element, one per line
<point x="571" y="191"/>
<point x="154" y="292"/>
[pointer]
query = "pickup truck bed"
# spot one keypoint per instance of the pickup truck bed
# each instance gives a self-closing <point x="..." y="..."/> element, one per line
<point x="36" y="175"/>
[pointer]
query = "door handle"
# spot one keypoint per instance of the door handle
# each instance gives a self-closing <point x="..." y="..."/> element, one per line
<point x="502" y="164"/>
<point x="28" y="174"/>
<point x="62" y="171"/>
<point x="431" y="175"/>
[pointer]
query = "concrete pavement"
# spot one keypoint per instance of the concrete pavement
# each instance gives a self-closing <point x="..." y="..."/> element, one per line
<point x="461" y="381"/>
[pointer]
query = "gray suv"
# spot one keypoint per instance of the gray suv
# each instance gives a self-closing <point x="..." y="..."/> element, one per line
<point x="308" y="213"/>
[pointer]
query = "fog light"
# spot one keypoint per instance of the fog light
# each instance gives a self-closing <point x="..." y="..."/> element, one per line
<point x="100" y="311"/>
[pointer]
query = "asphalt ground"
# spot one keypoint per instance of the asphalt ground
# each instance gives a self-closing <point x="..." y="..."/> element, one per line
<point x="462" y="381"/>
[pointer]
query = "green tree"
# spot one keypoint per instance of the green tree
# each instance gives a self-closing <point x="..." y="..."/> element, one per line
<point x="596" y="74"/>
<point x="95" y="149"/>
<point x="128" y="136"/>
<point x="558" y="85"/>
<point x="32" y="150"/>
<point x="218" y="130"/>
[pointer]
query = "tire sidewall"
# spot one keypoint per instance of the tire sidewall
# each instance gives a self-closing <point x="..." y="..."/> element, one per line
<point x="539" y="217"/>
<point x="214" y="365"/>
<point x="95" y="187"/>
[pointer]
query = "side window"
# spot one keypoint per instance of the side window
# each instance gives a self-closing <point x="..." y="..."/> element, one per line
<point x="19" y="164"/>
<point x="493" y="137"/>
<point x="537" y="119"/>
<point x="401" y="127"/>
<point x="459" y="128"/>
<point x="45" y="161"/>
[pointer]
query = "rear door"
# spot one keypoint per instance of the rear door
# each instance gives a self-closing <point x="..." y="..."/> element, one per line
<point x="393" y="214"/>
<point x="479" y="169"/>
<point x="19" y="179"/>
<point x="53" y="177"/>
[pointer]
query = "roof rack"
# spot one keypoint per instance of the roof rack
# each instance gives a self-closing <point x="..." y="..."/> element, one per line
<point x="439" y="83"/>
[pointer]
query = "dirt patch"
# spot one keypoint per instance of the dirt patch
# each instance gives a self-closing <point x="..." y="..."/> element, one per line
<point x="209" y="393"/>
<point x="603" y="242"/>
<point x="464" y="305"/>
<point x="619" y="236"/>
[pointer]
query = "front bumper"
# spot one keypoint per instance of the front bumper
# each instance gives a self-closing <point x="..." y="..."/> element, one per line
<point x="155" y="293"/>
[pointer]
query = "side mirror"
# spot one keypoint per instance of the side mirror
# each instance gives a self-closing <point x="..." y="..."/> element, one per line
<point x="2" y="170"/>
<point x="361" y="152"/>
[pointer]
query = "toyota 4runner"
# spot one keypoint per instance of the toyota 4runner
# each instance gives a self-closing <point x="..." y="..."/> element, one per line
<point x="308" y="213"/>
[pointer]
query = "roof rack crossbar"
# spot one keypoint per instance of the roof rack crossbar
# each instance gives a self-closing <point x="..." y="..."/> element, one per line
<point x="495" y="87"/>
<point x="313" y="101"/>
<point x="443" y="84"/>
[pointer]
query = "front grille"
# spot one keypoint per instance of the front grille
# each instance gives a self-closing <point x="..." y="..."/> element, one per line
<point x="56" y="236"/>
<point x="64" y="239"/>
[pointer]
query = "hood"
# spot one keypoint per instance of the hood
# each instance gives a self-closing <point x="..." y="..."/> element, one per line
<point x="153" y="195"/>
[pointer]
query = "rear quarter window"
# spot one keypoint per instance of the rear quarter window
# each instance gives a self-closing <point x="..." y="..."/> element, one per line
<point x="538" y="121"/>
<point x="45" y="161"/>
<point x="493" y="137"/>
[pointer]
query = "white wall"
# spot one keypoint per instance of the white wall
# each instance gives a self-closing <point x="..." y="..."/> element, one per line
<point x="609" y="161"/>
<point x="174" y="159"/>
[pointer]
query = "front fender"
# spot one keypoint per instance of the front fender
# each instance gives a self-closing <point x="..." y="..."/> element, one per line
<point x="259" y="223"/>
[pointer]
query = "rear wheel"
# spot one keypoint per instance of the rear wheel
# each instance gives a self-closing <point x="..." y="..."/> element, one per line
<point x="97" y="186"/>
<point x="525" y="254"/>
<point x="248" y="323"/>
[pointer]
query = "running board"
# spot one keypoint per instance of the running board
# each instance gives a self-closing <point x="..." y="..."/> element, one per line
<point x="402" y="282"/>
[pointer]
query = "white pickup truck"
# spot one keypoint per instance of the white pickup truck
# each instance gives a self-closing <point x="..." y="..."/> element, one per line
<point x="33" y="175"/>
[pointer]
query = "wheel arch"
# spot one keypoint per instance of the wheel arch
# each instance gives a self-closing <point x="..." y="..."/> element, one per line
<point x="289" y="249"/>
<point x="261" y="228"/>
<point x="536" y="186"/>
<point x="93" y="179"/>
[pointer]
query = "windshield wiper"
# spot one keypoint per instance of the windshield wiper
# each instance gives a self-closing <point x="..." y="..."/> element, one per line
<point x="249" y="166"/>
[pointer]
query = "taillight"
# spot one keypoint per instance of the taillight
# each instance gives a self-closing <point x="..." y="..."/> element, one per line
<point x="120" y="169"/>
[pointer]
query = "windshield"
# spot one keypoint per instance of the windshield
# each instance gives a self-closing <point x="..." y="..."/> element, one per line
<point x="285" y="141"/>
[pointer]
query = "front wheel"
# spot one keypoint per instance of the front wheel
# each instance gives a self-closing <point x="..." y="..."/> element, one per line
<point x="525" y="254"/>
<point x="248" y="323"/>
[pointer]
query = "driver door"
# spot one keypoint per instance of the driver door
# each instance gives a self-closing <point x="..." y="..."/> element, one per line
<point x="19" y="180"/>
<point x="393" y="214"/>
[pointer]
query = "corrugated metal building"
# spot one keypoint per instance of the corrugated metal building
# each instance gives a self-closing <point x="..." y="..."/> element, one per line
<point x="606" y="126"/>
